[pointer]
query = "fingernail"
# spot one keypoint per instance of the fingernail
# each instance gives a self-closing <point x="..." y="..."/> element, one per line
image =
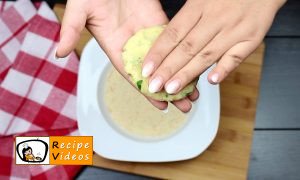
<point x="55" y="55"/>
<point x="215" y="78"/>
<point x="147" y="69"/>
<point x="165" y="110"/>
<point x="56" y="58"/>
<point x="155" y="85"/>
<point x="173" y="87"/>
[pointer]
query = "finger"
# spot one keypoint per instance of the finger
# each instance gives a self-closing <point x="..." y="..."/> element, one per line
<point x="161" y="105"/>
<point x="73" y="23"/>
<point x="194" y="96"/>
<point x="170" y="37"/>
<point x="203" y="60"/>
<point x="231" y="59"/>
<point x="196" y="39"/>
<point x="183" y="105"/>
<point x="114" y="54"/>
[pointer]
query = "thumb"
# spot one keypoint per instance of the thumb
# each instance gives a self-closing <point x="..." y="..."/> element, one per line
<point x="73" y="23"/>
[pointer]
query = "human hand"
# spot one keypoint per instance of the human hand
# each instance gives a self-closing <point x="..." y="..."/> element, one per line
<point x="112" y="23"/>
<point x="203" y="33"/>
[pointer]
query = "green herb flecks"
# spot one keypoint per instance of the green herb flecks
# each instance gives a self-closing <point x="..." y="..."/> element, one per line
<point x="187" y="94"/>
<point x="139" y="84"/>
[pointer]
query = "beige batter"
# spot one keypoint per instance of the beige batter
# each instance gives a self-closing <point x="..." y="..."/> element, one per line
<point x="134" y="115"/>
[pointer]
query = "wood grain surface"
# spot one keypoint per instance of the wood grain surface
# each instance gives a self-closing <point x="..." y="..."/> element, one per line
<point x="228" y="156"/>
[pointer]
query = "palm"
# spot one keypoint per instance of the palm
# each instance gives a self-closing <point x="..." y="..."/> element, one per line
<point x="112" y="23"/>
<point x="125" y="18"/>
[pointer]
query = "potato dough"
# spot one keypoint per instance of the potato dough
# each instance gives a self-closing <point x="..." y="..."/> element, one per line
<point x="133" y="55"/>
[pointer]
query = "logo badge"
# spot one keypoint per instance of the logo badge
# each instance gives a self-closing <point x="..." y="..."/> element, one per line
<point x="32" y="150"/>
<point x="54" y="150"/>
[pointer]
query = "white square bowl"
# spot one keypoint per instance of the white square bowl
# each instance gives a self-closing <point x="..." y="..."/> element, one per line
<point x="189" y="142"/>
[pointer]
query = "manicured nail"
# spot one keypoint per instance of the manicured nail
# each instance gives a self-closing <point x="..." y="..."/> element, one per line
<point x="56" y="58"/>
<point x="155" y="85"/>
<point x="165" y="110"/>
<point x="215" y="78"/>
<point x="173" y="87"/>
<point x="55" y="54"/>
<point x="147" y="69"/>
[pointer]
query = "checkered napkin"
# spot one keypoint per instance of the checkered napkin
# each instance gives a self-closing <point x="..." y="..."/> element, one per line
<point x="37" y="92"/>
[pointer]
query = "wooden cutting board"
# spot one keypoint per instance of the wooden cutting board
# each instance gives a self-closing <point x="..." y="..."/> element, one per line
<point x="228" y="156"/>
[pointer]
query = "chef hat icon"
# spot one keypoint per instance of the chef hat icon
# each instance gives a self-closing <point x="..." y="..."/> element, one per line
<point x="25" y="145"/>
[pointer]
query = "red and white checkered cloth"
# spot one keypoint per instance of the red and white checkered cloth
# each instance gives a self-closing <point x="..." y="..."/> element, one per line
<point x="37" y="92"/>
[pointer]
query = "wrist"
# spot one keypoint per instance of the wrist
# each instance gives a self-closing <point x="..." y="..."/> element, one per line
<point x="279" y="4"/>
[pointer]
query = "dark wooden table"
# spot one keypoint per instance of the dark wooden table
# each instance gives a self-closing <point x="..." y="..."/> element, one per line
<point x="276" y="144"/>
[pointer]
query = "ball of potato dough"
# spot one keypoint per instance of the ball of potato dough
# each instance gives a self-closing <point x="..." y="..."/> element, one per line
<point x="134" y="51"/>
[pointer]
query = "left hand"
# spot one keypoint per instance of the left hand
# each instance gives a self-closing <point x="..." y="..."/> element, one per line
<point x="112" y="23"/>
<point x="203" y="33"/>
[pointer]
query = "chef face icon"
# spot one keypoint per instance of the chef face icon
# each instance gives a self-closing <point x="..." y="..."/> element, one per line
<point x="27" y="154"/>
